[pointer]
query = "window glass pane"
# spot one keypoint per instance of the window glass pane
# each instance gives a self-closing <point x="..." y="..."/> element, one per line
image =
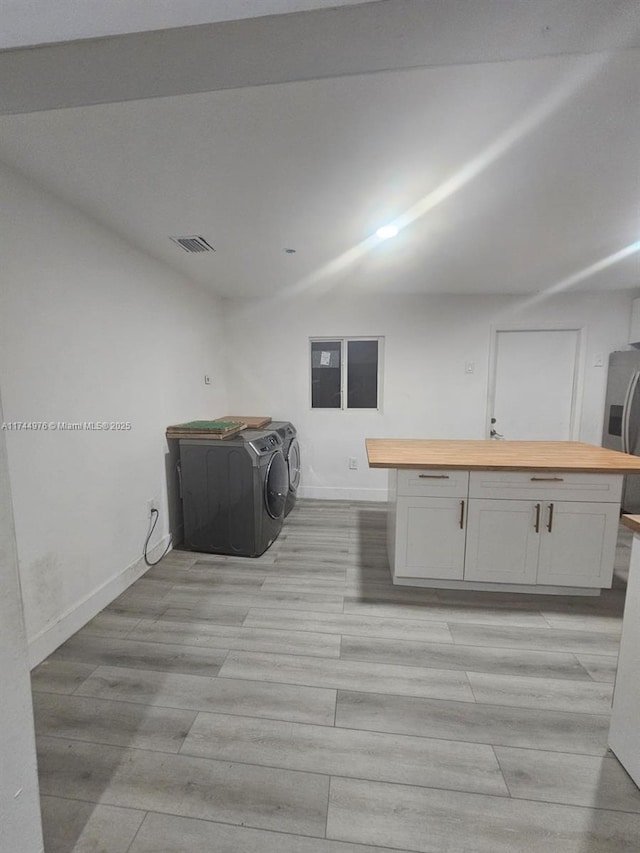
<point x="325" y="374"/>
<point x="362" y="374"/>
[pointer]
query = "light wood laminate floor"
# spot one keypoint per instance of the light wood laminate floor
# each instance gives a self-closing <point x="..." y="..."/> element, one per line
<point x="300" y="703"/>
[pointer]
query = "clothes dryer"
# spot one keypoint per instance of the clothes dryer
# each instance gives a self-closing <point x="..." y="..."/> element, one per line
<point x="233" y="492"/>
<point x="291" y="451"/>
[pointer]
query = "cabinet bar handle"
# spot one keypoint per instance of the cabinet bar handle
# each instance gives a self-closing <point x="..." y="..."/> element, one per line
<point x="433" y="476"/>
<point x="537" y="518"/>
<point x="461" y="515"/>
<point x="547" y="479"/>
<point x="550" y="524"/>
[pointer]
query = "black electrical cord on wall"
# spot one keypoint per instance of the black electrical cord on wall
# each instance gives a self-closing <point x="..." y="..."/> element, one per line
<point x="155" y="512"/>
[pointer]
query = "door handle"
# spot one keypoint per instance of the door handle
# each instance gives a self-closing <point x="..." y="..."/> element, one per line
<point x="493" y="432"/>
<point x="537" y="524"/>
<point x="461" y="515"/>
<point x="550" y="522"/>
<point x="433" y="476"/>
<point x="547" y="479"/>
<point x="626" y="412"/>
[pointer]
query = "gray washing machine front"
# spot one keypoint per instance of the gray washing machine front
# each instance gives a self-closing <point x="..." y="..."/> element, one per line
<point x="291" y="450"/>
<point x="234" y="492"/>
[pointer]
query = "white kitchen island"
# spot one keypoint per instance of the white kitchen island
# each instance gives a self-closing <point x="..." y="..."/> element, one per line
<point x="624" y="735"/>
<point x="538" y="517"/>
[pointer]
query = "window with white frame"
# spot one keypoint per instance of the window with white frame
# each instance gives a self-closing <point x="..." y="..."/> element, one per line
<point x="345" y="373"/>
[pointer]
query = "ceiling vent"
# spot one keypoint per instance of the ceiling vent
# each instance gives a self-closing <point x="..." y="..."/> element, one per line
<point x="193" y="244"/>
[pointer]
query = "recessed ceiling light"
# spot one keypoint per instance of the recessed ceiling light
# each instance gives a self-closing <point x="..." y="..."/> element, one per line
<point x="386" y="232"/>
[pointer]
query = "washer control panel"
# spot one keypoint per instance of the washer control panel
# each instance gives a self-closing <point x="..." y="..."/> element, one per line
<point x="266" y="443"/>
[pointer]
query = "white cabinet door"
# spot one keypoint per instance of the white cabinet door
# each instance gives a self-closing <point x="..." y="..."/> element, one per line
<point x="430" y="538"/>
<point x="502" y="541"/>
<point x="577" y="543"/>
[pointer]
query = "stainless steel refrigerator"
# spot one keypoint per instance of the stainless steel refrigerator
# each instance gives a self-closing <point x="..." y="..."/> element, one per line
<point x="621" y="430"/>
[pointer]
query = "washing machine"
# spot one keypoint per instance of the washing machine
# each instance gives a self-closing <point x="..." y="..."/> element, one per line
<point x="233" y="492"/>
<point x="291" y="450"/>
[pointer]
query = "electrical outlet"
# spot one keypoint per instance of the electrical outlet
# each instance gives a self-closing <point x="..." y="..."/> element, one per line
<point x="153" y="503"/>
<point x="207" y="379"/>
<point x="353" y="463"/>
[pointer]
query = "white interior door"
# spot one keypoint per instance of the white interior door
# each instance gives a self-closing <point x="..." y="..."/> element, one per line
<point x="533" y="397"/>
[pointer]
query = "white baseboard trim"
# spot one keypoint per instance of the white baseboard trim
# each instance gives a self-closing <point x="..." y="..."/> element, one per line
<point x="53" y="635"/>
<point x="332" y="493"/>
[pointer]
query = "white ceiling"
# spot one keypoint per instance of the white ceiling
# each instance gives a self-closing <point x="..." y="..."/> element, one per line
<point x="32" y="22"/>
<point x="511" y="176"/>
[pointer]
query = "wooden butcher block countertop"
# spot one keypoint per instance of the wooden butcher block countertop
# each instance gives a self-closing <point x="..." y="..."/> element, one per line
<point x="491" y="455"/>
<point x="632" y="522"/>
